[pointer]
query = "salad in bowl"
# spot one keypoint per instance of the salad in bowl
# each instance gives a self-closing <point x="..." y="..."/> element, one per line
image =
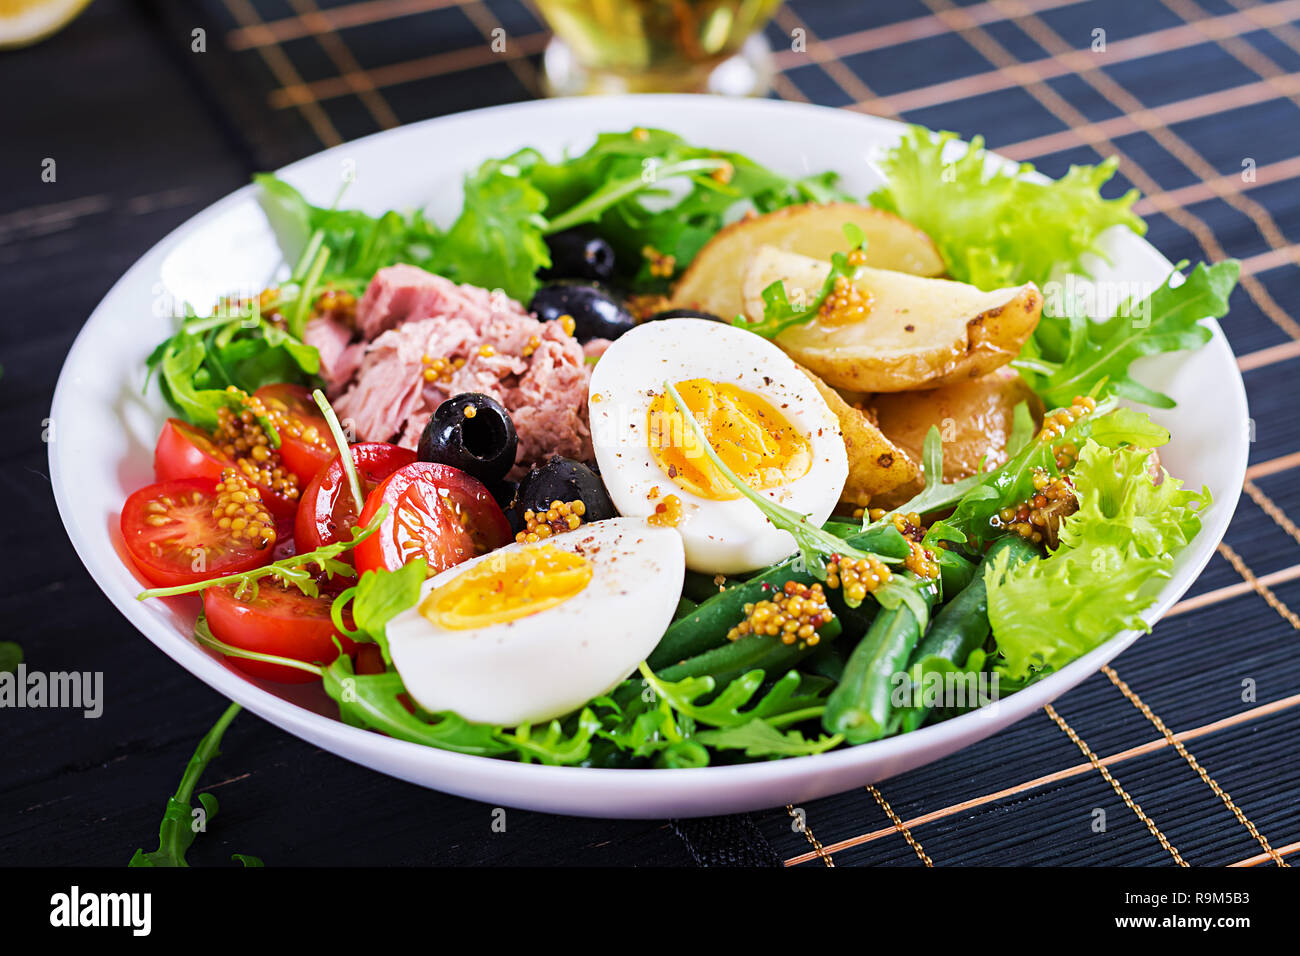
<point x="655" y="457"/>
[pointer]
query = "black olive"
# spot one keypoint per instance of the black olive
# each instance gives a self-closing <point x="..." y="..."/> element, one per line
<point x="474" y="433"/>
<point x="578" y="253"/>
<point x="562" y="479"/>
<point x="597" y="312"/>
<point x="684" y="314"/>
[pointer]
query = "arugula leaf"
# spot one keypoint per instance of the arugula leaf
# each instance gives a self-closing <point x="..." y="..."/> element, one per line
<point x="1114" y="552"/>
<point x="935" y="494"/>
<point x="11" y="655"/>
<point x="497" y="241"/>
<point x="1070" y="355"/>
<point x="204" y="636"/>
<point x="553" y="745"/>
<point x="758" y="738"/>
<point x="786" y="703"/>
<point x="622" y="185"/>
<point x="341" y="443"/>
<point x="993" y="226"/>
<point x="779" y="314"/>
<point x="358" y="244"/>
<point x="816" y="545"/>
<point x="649" y="187"/>
<point x="178" y="830"/>
<point x="371" y="701"/>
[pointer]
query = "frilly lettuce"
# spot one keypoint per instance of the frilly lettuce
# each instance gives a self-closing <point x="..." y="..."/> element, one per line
<point x="1114" y="553"/>
<point x="993" y="226"/>
<point x="1013" y="482"/>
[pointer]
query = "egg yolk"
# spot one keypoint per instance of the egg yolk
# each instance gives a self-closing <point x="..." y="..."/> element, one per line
<point x="506" y="587"/>
<point x="750" y="436"/>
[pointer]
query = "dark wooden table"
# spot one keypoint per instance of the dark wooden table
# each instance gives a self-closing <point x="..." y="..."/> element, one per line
<point x="144" y="132"/>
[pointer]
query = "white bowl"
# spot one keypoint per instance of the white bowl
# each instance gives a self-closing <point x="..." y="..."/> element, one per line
<point x="105" y="430"/>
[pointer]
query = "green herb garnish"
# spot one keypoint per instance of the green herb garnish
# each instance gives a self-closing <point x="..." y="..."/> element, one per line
<point x="779" y="314"/>
<point x="181" y="822"/>
<point x="341" y="443"/>
<point x="1071" y="355"/>
<point x="292" y="571"/>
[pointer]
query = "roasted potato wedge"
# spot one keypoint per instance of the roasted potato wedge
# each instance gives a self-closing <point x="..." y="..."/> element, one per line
<point x="712" y="282"/>
<point x="918" y="332"/>
<point x="974" y="419"/>
<point x="876" y="465"/>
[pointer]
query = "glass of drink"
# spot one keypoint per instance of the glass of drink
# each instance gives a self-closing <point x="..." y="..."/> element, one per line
<point x="657" y="46"/>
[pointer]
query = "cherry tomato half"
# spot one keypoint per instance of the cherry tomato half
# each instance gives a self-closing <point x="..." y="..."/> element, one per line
<point x="278" y="620"/>
<point x="435" y="512"/>
<point x="306" y="445"/>
<point x="187" y="451"/>
<point x="173" y="538"/>
<point x="326" y="512"/>
<point x="184" y="451"/>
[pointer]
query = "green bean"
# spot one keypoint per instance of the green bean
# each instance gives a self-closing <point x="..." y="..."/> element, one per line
<point x="955" y="572"/>
<point x="700" y="587"/>
<point x="707" y="626"/>
<point x="684" y="607"/>
<point x="963" y="624"/>
<point x="859" y="708"/>
<point x="765" y="652"/>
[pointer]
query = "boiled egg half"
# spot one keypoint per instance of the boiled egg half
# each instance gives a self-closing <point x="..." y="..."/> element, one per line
<point x="759" y="411"/>
<point x="534" y="631"/>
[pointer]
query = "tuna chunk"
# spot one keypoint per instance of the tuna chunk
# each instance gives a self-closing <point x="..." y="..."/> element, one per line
<point x="340" y="357"/>
<point x="400" y="293"/>
<point x="534" y="369"/>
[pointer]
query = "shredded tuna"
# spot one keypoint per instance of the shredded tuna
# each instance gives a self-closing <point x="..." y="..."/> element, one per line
<point x="400" y="293"/>
<point x="339" y="356"/>
<point x="534" y="369"/>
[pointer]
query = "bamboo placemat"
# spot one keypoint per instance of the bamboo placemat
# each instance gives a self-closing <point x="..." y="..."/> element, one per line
<point x="1186" y="750"/>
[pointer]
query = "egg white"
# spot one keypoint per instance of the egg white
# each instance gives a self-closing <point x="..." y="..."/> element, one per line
<point x="552" y="662"/>
<point x="724" y="537"/>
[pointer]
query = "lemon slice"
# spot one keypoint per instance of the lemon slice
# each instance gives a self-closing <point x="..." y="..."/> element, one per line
<point x="23" y="22"/>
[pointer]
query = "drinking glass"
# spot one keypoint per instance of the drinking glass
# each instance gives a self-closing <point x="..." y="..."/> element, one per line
<point x="657" y="46"/>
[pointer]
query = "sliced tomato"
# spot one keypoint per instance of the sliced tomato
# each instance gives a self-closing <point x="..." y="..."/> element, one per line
<point x="279" y="620"/>
<point x="173" y="538"/>
<point x="369" y="660"/>
<point x="187" y="451"/>
<point x="306" y="445"/>
<point x="184" y="451"/>
<point x="327" y="512"/>
<point x="435" y="512"/>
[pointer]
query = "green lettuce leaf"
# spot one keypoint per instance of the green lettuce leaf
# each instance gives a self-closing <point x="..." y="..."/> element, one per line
<point x="497" y="240"/>
<point x="1114" y="552"/>
<point x="359" y="244"/>
<point x="993" y="226"/>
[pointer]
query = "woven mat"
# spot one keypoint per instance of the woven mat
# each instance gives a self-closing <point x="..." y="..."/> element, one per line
<point x="1186" y="750"/>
